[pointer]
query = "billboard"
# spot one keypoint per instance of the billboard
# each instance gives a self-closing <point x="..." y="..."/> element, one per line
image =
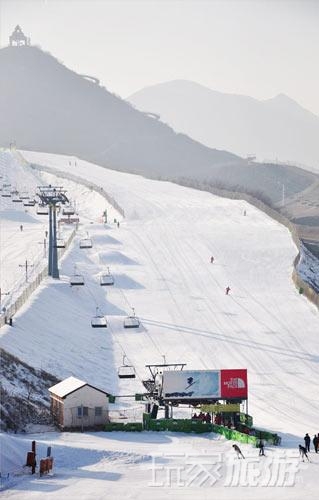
<point x="233" y="384"/>
<point x="205" y="384"/>
<point x="191" y="384"/>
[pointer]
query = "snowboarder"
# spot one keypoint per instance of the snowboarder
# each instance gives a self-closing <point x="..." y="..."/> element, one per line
<point x="227" y="290"/>
<point x="307" y="441"/>
<point x="261" y="449"/>
<point x="211" y="259"/>
<point x="238" y="451"/>
<point x="316" y="442"/>
<point x="303" y="453"/>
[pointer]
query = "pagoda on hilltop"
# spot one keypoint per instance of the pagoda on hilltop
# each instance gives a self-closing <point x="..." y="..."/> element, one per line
<point x="18" y="38"/>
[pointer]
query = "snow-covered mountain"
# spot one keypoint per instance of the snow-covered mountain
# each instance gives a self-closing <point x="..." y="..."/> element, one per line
<point x="277" y="128"/>
<point x="160" y="259"/>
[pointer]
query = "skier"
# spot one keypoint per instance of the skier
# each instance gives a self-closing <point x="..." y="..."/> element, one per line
<point x="118" y="224"/>
<point x="303" y="453"/>
<point x="21" y="227"/>
<point x="211" y="259"/>
<point x="307" y="441"/>
<point x="261" y="449"/>
<point x="227" y="290"/>
<point x="238" y="451"/>
<point x="316" y="442"/>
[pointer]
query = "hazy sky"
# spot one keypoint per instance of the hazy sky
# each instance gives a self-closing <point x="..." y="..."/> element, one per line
<point x="253" y="47"/>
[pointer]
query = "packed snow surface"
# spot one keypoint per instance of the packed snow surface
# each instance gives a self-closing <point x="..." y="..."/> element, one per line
<point x="160" y="259"/>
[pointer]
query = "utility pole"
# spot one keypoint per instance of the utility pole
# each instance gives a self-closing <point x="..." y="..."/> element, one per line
<point x="283" y="195"/>
<point x="1" y="294"/>
<point x="26" y="265"/>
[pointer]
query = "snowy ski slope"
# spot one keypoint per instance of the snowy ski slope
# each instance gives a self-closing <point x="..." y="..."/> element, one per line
<point x="160" y="258"/>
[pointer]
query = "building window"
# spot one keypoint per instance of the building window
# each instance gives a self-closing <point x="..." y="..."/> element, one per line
<point x="98" y="411"/>
<point x="83" y="411"/>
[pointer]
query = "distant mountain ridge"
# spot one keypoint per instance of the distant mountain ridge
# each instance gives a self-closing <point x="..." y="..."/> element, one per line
<point x="44" y="106"/>
<point x="47" y="107"/>
<point x="276" y="128"/>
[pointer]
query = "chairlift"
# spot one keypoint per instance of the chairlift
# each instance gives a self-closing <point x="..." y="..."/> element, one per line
<point x="125" y="370"/>
<point x="16" y="198"/>
<point x="99" y="320"/>
<point x="69" y="210"/>
<point x="86" y="242"/>
<point x="131" y="321"/>
<point x="24" y="196"/>
<point x="42" y="210"/>
<point x="107" y="279"/>
<point x="76" y="279"/>
<point x="28" y="203"/>
<point x="6" y="194"/>
<point x="60" y="243"/>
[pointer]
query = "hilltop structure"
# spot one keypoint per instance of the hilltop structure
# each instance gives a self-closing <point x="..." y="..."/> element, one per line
<point x="18" y="37"/>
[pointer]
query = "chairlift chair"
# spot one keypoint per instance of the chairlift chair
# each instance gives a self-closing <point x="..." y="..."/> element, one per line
<point x="125" y="370"/>
<point x="29" y="203"/>
<point x="16" y="199"/>
<point x="69" y="210"/>
<point x="6" y="194"/>
<point x="99" y="320"/>
<point x="60" y="243"/>
<point x="131" y="321"/>
<point x="76" y="279"/>
<point x="107" y="279"/>
<point x="86" y="242"/>
<point x="42" y="210"/>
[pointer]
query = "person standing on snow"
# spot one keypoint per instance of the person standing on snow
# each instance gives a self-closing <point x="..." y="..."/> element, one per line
<point x="211" y="259"/>
<point x="316" y="442"/>
<point x="261" y="448"/>
<point x="227" y="290"/>
<point x="307" y="441"/>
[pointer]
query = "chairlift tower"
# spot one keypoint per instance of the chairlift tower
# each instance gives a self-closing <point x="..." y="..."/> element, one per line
<point x="52" y="196"/>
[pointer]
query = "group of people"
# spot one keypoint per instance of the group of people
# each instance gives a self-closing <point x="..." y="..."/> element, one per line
<point x="204" y="417"/>
<point x="260" y="445"/>
<point x="303" y="450"/>
<point x="227" y="289"/>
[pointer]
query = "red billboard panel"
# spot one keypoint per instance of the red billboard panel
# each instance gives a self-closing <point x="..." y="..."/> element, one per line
<point x="233" y="384"/>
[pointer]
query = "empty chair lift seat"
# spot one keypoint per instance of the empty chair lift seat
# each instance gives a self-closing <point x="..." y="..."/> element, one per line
<point x="77" y="280"/>
<point x="107" y="279"/>
<point x="60" y="243"/>
<point x="42" y="210"/>
<point x="86" y="243"/>
<point x="126" y="371"/>
<point x="68" y="210"/>
<point x="99" y="320"/>
<point x="131" y="321"/>
<point x="29" y="203"/>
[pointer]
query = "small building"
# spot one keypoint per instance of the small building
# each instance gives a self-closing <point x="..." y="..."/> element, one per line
<point x="75" y="404"/>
